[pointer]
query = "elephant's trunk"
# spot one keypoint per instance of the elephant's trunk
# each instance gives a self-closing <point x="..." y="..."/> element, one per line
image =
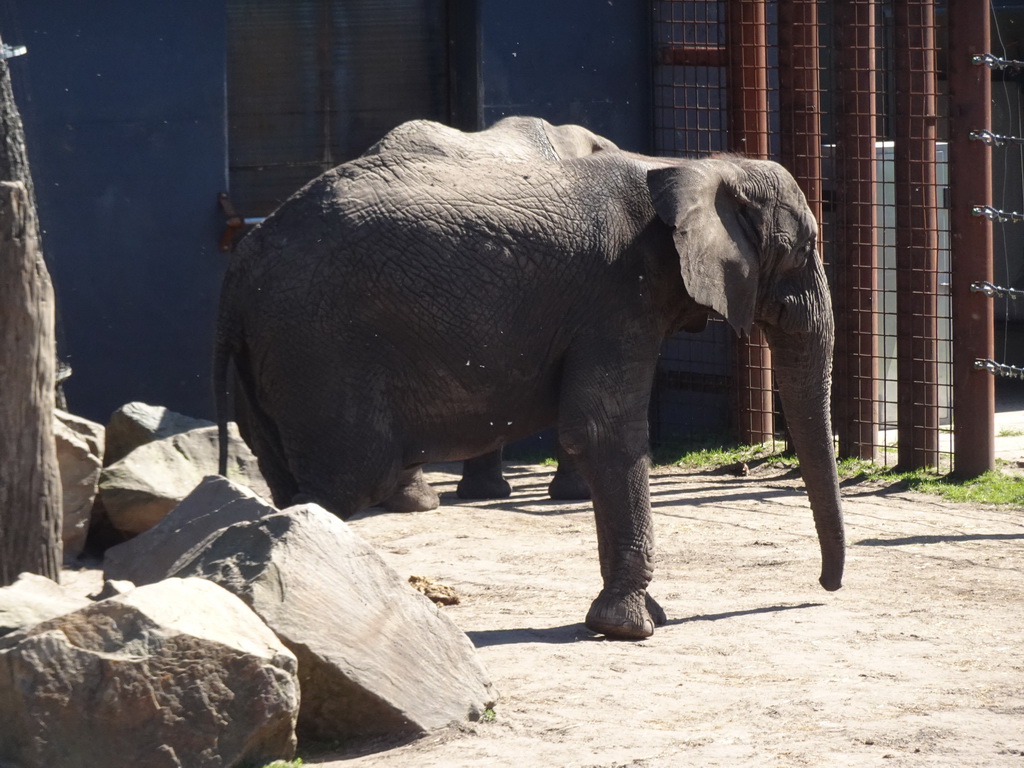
<point x="803" y="371"/>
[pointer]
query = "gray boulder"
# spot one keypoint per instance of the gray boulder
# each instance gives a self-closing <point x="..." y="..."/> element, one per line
<point x="375" y="656"/>
<point x="215" y="503"/>
<point x="79" y="445"/>
<point x="138" y="491"/>
<point x="113" y="588"/>
<point x="178" y="675"/>
<point x="32" y="599"/>
<point x="92" y="433"/>
<point x="136" y="424"/>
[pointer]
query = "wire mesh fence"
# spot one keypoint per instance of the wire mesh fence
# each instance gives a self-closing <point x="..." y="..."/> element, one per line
<point x="694" y="390"/>
<point x="849" y="97"/>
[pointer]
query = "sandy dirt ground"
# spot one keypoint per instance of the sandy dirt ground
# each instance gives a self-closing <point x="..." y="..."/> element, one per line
<point x="917" y="661"/>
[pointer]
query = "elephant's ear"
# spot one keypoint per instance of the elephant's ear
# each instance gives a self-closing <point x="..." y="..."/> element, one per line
<point x="713" y="235"/>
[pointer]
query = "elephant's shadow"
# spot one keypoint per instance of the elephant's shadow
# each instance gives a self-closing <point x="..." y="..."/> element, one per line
<point x="575" y="633"/>
<point x="530" y="490"/>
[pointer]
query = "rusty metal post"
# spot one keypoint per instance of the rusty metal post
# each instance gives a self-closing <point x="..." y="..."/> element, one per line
<point x="917" y="236"/>
<point x="747" y="55"/>
<point x="970" y="175"/>
<point x="855" y="301"/>
<point x="800" y="98"/>
<point x="800" y="102"/>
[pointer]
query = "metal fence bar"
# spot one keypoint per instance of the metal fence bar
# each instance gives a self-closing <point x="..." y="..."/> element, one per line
<point x="800" y="98"/>
<point x="800" y="102"/>
<point x="970" y="88"/>
<point x="747" y="55"/>
<point x="917" y="240"/>
<point x="857" y="388"/>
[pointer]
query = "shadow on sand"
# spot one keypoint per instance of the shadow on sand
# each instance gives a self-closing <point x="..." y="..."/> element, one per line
<point x="902" y="542"/>
<point x="575" y="633"/>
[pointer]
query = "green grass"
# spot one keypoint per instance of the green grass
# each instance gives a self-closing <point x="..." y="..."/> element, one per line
<point x="996" y="487"/>
<point x="711" y="458"/>
<point x="296" y="763"/>
<point x="716" y="452"/>
<point x="712" y="454"/>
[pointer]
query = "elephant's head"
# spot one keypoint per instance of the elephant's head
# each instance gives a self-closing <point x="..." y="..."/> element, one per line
<point x="747" y="246"/>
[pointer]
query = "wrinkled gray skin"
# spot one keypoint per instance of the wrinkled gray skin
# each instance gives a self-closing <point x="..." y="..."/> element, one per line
<point x="512" y="140"/>
<point x="403" y="309"/>
<point x="528" y="140"/>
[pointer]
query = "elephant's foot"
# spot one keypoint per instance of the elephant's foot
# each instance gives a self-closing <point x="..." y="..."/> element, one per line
<point x="625" y="617"/>
<point x="568" y="486"/>
<point x="657" y="612"/>
<point x="483" y="487"/>
<point x="415" y="495"/>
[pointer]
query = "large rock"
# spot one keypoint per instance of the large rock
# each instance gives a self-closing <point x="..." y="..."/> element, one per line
<point x="80" y="458"/>
<point x="136" y="424"/>
<point x="138" y="491"/>
<point x="92" y="433"/>
<point x="33" y="599"/>
<point x="216" y="503"/>
<point x="174" y="675"/>
<point x="375" y="656"/>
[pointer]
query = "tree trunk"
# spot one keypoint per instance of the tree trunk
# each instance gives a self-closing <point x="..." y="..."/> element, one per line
<point x="30" y="490"/>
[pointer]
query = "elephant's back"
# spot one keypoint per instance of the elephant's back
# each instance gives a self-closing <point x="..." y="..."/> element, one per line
<point x="457" y="246"/>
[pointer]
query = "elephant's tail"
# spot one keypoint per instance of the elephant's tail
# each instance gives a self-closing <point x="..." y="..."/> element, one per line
<point x="226" y="347"/>
<point x="222" y="356"/>
<point x="232" y="354"/>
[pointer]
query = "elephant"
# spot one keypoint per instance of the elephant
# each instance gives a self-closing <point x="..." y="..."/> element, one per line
<point x="513" y="139"/>
<point x="407" y="308"/>
<point x="482" y="478"/>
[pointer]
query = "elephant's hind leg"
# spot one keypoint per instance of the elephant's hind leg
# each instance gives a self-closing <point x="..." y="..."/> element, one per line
<point x="482" y="478"/>
<point x="413" y="494"/>
<point x="568" y="484"/>
<point x="345" y="469"/>
<point x="263" y="439"/>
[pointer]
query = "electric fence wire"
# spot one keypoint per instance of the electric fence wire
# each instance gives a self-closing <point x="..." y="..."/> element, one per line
<point x="996" y="291"/>
<point x="1007" y="102"/>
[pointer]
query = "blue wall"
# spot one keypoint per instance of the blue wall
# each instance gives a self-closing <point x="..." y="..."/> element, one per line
<point x="123" y="104"/>
<point x="124" y="109"/>
<point x="570" y="61"/>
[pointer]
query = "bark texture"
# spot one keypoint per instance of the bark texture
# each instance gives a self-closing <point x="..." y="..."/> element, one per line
<point x="30" y="490"/>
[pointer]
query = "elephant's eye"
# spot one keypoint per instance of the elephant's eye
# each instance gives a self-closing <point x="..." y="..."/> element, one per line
<point x="802" y="253"/>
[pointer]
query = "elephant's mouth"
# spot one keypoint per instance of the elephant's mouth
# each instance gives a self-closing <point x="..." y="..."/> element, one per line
<point x="794" y="314"/>
<point x="771" y="313"/>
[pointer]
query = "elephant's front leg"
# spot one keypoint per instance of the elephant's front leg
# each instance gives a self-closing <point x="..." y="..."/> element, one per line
<point x="611" y="451"/>
<point x="625" y="542"/>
